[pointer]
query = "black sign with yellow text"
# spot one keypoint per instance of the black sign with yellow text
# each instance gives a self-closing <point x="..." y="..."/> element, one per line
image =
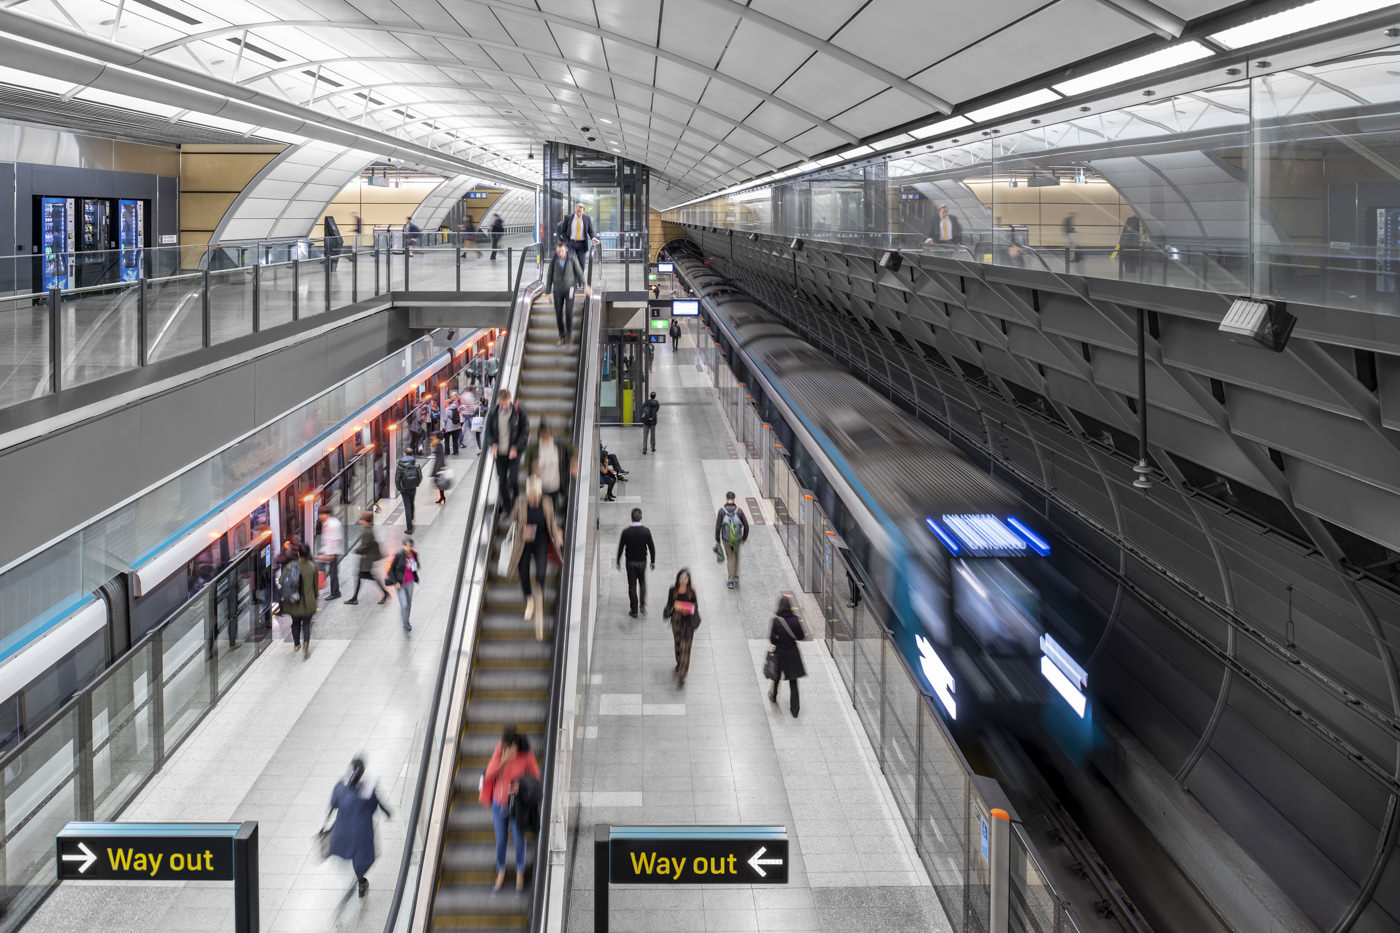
<point x="147" y="851"/>
<point x="698" y="855"/>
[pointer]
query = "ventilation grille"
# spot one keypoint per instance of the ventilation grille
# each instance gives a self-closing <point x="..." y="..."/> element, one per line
<point x="102" y="120"/>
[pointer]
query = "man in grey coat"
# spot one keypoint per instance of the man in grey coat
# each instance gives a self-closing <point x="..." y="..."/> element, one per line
<point x="564" y="275"/>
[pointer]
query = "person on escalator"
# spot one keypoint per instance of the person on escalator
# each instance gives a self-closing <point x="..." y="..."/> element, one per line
<point x="534" y="530"/>
<point x="510" y="763"/>
<point x="553" y="461"/>
<point x="507" y="434"/>
<point x="565" y="274"/>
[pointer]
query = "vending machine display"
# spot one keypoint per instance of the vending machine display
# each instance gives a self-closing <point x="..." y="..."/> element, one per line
<point x="131" y="234"/>
<point x="57" y="230"/>
<point x="95" y="261"/>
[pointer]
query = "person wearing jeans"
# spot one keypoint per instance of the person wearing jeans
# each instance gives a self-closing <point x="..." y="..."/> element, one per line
<point x="511" y="761"/>
<point x="404" y="571"/>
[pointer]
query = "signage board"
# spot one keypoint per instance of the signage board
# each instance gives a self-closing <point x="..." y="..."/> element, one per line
<point x="665" y="267"/>
<point x="685" y="307"/>
<point x="698" y="855"/>
<point x="146" y="851"/>
<point x="657" y="338"/>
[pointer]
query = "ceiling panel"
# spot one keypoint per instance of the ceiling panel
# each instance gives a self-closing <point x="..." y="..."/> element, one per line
<point x="761" y="57"/>
<point x="1020" y="51"/>
<point x="824" y="86"/>
<point x="628" y="17"/>
<point x="687" y="82"/>
<point x="696" y="31"/>
<point x="729" y="100"/>
<point x="776" y="122"/>
<point x="629" y="62"/>
<point x="528" y="32"/>
<point x="712" y="125"/>
<point x="628" y="94"/>
<point x="879" y="113"/>
<point x="579" y="46"/>
<point x="816" y="140"/>
<point x="908" y="47"/>
<point x="819" y="19"/>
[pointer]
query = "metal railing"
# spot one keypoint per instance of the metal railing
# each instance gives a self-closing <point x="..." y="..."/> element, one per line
<point x="169" y="301"/>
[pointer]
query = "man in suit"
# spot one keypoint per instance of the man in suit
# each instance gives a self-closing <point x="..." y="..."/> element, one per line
<point x="945" y="229"/>
<point x="506" y="435"/>
<point x="565" y="274"/>
<point x="637" y="545"/>
<point x="577" y="231"/>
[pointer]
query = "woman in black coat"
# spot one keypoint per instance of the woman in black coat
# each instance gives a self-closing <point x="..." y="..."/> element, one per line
<point x="783" y="634"/>
<point x="683" y="609"/>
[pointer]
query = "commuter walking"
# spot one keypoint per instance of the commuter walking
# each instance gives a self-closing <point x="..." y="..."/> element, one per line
<point x="405" y="570"/>
<point x="408" y="477"/>
<point x="577" y="232"/>
<point x="479" y="421"/>
<point x="352" y="835"/>
<point x="635" y="544"/>
<point x="332" y="549"/>
<point x="1130" y="248"/>
<point x="731" y="531"/>
<point x="438" y="451"/>
<point x="452" y="427"/>
<point x="410" y="235"/>
<point x="511" y="762"/>
<point x="784" y="632"/>
<point x="535" y="527"/>
<point x="498" y="230"/>
<point x="565" y="274"/>
<point x="367" y="550"/>
<point x="547" y="458"/>
<point x="507" y="434"/>
<point x="297" y="590"/>
<point x="683" y="609"/>
<point x="1071" y="239"/>
<point x="675" y="335"/>
<point x="649" y="410"/>
<point x="945" y="230"/>
<point x="415" y="428"/>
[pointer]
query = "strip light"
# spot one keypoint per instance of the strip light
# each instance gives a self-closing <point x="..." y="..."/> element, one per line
<point x="1299" y="19"/>
<point x="984" y="533"/>
<point x="1063" y="687"/>
<point x="948" y="540"/>
<point x="1037" y="543"/>
<point x="1067" y="677"/>
<point x="1144" y="65"/>
<point x="1015" y="104"/>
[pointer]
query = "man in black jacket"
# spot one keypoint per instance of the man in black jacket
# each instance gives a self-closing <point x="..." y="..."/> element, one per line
<point x="577" y="231"/>
<point x="649" y="409"/>
<point x="636" y="544"/>
<point x="407" y="477"/>
<point x="945" y="228"/>
<point x="506" y="435"/>
<point x="565" y="274"/>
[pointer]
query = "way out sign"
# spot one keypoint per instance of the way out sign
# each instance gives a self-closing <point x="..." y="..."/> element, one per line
<point x="166" y="852"/>
<point x="685" y="855"/>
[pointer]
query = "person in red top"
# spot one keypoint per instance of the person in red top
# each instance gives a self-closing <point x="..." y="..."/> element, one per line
<point x="511" y="761"/>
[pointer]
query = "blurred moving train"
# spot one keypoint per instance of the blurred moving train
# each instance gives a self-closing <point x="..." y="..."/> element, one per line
<point x="960" y="578"/>
<point x="214" y="576"/>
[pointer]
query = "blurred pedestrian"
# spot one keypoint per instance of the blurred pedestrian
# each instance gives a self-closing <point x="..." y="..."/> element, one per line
<point x="368" y="554"/>
<point x="511" y="761"/>
<point x="332" y="549"/>
<point x="405" y="571"/>
<point x="352" y="835"/>
<point x="507" y="434"/>
<point x="784" y="632"/>
<point x="298" y="591"/>
<point x="683" y="609"/>
<point x="535" y="528"/>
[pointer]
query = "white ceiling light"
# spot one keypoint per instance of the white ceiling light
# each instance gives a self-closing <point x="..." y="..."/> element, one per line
<point x="942" y="126"/>
<point x="829" y="160"/>
<point x="806" y="167"/>
<point x="1298" y="19"/>
<point x="898" y="139"/>
<point x="1015" y="104"/>
<point x="606" y="120"/>
<point x="34" y="82"/>
<point x="140" y="105"/>
<point x="857" y="151"/>
<point x="1140" y="67"/>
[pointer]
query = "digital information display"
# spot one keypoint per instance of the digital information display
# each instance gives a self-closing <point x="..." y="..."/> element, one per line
<point x="664" y="267"/>
<point x="685" y="307"/>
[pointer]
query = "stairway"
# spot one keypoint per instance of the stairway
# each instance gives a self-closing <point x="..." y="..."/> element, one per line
<point x="510" y="677"/>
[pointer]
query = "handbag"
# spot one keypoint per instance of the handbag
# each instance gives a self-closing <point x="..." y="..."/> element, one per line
<point x="770" y="663"/>
<point x="323" y="841"/>
<point x="443" y="478"/>
<point x="507" y="548"/>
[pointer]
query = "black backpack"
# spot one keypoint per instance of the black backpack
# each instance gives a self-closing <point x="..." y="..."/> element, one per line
<point x="410" y="475"/>
<point x="289" y="589"/>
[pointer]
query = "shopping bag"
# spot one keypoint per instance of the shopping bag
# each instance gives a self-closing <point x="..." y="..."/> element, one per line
<point x="719" y="554"/>
<point x="503" y="559"/>
<point x="443" y="478"/>
<point x="770" y="665"/>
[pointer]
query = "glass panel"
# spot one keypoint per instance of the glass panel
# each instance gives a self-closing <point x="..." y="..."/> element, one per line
<point x="943" y="810"/>
<point x="274" y="294"/>
<point x="40" y="797"/>
<point x="99" y="335"/>
<point x="230" y="304"/>
<point x="869" y="686"/>
<point x="236" y="614"/>
<point x="901" y="755"/>
<point x="185" y="671"/>
<point x="311" y="288"/>
<point x="122" y="738"/>
<point x="1033" y="903"/>
<point x="173" y="316"/>
<point x="978" y="887"/>
<point x="25" y="323"/>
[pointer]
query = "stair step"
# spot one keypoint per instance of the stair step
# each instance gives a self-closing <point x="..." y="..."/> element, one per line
<point x="507" y="678"/>
<point x="495" y="715"/>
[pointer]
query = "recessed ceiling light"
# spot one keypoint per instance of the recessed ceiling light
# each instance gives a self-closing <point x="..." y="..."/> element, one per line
<point x="605" y="119"/>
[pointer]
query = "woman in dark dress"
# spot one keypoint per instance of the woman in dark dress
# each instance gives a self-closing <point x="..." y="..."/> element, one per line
<point x="352" y="836"/>
<point x="1130" y="248"/>
<point x="783" y="634"/>
<point x="683" y="609"/>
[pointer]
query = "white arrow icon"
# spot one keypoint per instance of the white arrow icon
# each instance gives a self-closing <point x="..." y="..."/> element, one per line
<point x="87" y="858"/>
<point x="757" y="860"/>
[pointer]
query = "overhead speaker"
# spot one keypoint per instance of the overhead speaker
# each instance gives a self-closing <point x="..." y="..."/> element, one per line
<point x="796" y="244"/>
<point x="1264" y="322"/>
<point x="892" y="260"/>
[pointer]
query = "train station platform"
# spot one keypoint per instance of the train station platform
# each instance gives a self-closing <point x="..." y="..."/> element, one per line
<point x="273" y="748"/>
<point x="716" y="751"/>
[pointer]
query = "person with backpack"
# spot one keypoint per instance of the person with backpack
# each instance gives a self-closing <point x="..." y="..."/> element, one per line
<point x="405" y="571"/>
<point x="675" y="335"/>
<point x="649" y="409"/>
<point x="408" y="477"/>
<point x="784" y="632"/>
<point x="352" y="833"/>
<point x="731" y="531"/>
<point x="367" y="550"/>
<point x="296" y="589"/>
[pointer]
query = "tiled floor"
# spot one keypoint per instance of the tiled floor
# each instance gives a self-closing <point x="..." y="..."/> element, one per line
<point x="274" y="748"/>
<point x="716" y="751"/>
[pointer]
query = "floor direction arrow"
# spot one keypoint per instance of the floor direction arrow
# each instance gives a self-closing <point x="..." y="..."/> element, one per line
<point x="87" y="858"/>
<point x="757" y="860"/>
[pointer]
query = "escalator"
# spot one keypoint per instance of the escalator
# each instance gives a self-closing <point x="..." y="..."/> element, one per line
<point x="511" y="675"/>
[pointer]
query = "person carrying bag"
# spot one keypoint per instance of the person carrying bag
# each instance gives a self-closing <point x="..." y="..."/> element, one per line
<point x="785" y="657"/>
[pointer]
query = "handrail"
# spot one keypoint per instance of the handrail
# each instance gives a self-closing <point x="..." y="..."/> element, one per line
<point x="432" y="735"/>
<point x="582" y="486"/>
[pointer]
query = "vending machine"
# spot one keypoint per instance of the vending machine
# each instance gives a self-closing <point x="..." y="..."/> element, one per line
<point x="57" y="230"/>
<point x="96" y="259"/>
<point x="131" y="237"/>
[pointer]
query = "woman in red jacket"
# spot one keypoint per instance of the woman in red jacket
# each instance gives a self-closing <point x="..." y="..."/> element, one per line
<point x="511" y="761"/>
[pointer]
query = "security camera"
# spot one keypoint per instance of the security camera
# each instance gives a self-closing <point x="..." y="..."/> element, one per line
<point x="593" y="139"/>
<point x="585" y="129"/>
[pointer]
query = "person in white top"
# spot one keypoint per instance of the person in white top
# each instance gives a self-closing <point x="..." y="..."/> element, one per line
<point x="332" y="549"/>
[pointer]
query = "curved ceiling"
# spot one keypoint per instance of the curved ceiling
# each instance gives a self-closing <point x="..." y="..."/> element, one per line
<point x="705" y="92"/>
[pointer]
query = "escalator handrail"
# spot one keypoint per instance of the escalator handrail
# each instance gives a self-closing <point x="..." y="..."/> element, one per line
<point x="582" y="486"/>
<point x="519" y="330"/>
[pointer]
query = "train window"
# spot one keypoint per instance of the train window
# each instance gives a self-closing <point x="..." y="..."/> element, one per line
<point x="205" y="566"/>
<point x="9" y="723"/>
<point x="44" y="696"/>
